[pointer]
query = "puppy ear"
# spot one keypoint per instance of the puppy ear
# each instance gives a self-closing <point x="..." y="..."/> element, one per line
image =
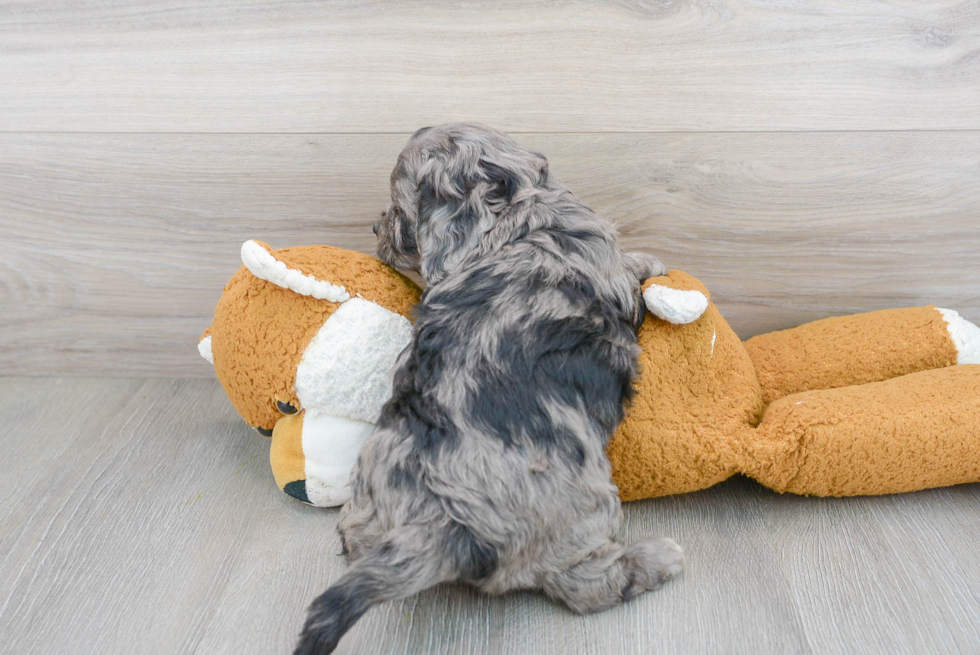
<point x="510" y="175"/>
<point x="504" y="183"/>
<point x="452" y="214"/>
<point x="462" y="193"/>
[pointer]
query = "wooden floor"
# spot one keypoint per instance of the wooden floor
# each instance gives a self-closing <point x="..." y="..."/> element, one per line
<point x="140" y="516"/>
<point x="802" y="157"/>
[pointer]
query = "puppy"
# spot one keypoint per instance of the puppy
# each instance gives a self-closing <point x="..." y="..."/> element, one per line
<point x="488" y="463"/>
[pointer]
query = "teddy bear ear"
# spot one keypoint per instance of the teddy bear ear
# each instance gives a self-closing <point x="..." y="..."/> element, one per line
<point x="677" y="306"/>
<point x="267" y="264"/>
<point x="676" y="297"/>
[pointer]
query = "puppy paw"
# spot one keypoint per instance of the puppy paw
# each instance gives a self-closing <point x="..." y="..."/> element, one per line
<point x="650" y="563"/>
<point x="644" y="266"/>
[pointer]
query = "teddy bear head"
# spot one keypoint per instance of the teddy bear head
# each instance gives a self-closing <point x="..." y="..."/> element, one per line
<point x="293" y="331"/>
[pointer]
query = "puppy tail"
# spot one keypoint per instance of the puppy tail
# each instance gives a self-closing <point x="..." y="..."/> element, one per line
<point x="401" y="565"/>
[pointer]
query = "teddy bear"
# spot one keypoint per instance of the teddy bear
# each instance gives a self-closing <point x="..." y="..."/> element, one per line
<point x="304" y="341"/>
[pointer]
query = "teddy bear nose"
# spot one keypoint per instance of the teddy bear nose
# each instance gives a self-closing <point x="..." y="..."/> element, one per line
<point x="377" y="226"/>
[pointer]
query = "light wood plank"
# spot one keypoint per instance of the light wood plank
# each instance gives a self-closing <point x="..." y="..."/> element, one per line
<point x="727" y="542"/>
<point x="117" y="246"/>
<point x="364" y="66"/>
<point x="861" y="567"/>
<point x="46" y="418"/>
<point x="145" y="520"/>
<point x="205" y="555"/>
<point x="27" y="403"/>
<point x="123" y="543"/>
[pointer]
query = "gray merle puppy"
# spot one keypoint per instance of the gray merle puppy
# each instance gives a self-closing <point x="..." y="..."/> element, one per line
<point x="488" y="463"/>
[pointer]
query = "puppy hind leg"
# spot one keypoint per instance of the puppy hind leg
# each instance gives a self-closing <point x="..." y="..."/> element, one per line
<point x="359" y="530"/>
<point x="615" y="574"/>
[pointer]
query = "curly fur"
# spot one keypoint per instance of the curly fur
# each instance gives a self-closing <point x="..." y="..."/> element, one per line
<point x="488" y="463"/>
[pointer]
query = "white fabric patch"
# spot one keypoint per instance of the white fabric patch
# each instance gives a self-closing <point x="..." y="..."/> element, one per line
<point x="204" y="347"/>
<point x="330" y="446"/>
<point x="674" y="305"/>
<point x="965" y="335"/>
<point x="266" y="267"/>
<point x="346" y="369"/>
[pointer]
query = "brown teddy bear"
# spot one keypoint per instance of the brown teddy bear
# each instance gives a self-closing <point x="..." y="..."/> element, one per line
<point x="304" y="341"/>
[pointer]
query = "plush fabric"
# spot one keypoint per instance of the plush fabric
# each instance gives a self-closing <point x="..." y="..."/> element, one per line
<point x="304" y="341"/>
<point x="867" y="404"/>
<point x="314" y="330"/>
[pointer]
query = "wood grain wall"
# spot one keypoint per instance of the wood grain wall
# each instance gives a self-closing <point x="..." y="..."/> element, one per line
<point x="803" y="157"/>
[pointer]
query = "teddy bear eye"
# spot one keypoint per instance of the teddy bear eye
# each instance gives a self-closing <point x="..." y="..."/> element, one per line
<point x="286" y="408"/>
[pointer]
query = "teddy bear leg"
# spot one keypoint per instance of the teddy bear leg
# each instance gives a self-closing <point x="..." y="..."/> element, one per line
<point x="965" y="336"/>
<point x="914" y="432"/>
<point x="861" y="348"/>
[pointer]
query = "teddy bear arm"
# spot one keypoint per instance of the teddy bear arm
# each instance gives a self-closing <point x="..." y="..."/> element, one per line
<point x="848" y="350"/>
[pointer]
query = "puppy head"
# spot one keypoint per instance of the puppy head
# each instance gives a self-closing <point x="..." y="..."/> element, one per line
<point x="456" y="189"/>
